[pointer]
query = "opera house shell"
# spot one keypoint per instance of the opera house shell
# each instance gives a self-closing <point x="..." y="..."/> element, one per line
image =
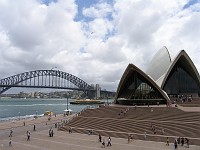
<point x="162" y="80"/>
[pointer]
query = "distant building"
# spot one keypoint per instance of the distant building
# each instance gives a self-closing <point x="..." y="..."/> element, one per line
<point x="97" y="91"/>
<point x="32" y="94"/>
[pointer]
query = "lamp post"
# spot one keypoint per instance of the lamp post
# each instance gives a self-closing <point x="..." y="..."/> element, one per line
<point x="19" y="115"/>
<point x="106" y="94"/>
<point x="36" y="113"/>
<point x="107" y="98"/>
<point x="67" y="101"/>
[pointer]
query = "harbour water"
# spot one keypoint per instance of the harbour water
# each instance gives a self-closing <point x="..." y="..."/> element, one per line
<point x="11" y="109"/>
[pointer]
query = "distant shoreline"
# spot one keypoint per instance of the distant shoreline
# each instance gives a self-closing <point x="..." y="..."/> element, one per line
<point x="5" y="98"/>
<point x="7" y="119"/>
<point x="30" y="121"/>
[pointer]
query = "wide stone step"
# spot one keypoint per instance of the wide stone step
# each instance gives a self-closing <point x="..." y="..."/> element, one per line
<point x="136" y="121"/>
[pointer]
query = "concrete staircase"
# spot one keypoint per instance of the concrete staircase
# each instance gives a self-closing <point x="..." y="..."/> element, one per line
<point x="107" y="121"/>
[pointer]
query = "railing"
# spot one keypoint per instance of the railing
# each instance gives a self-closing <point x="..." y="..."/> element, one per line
<point x="77" y="114"/>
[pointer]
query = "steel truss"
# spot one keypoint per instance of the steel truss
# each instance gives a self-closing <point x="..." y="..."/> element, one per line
<point x="45" y="79"/>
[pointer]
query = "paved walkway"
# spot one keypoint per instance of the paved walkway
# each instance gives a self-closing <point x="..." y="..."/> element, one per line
<point x="31" y="121"/>
<point x="189" y="109"/>
<point x="63" y="140"/>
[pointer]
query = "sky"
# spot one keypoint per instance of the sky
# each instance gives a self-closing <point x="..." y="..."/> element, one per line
<point x="94" y="40"/>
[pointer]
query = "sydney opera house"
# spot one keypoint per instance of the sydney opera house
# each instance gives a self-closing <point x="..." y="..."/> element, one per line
<point x="163" y="80"/>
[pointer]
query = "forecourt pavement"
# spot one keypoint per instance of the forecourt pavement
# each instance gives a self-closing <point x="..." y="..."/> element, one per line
<point x="40" y="140"/>
<point x="61" y="140"/>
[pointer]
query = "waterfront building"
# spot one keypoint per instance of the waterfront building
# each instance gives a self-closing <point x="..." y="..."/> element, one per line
<point x="97" y="91"/>
<point x="163" y="79"/>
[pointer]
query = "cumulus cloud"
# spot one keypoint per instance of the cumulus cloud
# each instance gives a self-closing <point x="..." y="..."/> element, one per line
<point x="97" y="48"/>
<point x="100" y="10"/>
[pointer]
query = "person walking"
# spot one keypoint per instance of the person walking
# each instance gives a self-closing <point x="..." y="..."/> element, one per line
<point x="103" y="143"/>
<point x="162" y="131"/>
<point x="187" y="142"/>
<point x="182" y="141"/>
<point x="145" y="135"/>
<point x="167" y="141"/>
<point x="34" y="127"/>
<point x="11" y="132"/>
<point x="179" y="140"/>
<point x="109" y="141"/>
<point x="70" y="130"/>
<point x="175" y="144"/>
<point x="129" y="138"/>
<point x="28" y="135"/>
<point x="99" y="137"/>
<point x="52" y="133"/>
<point x="10" y="142"/>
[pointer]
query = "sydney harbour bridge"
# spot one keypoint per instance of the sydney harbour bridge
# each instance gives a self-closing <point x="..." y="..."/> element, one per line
<point x="53" y="79"/>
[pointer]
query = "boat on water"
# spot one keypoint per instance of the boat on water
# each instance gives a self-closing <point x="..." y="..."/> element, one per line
<point x="87" y="101"/>
<point x="48" y="113"/>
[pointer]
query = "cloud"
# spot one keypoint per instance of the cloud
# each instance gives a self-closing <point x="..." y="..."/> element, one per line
<point x="99" y="10"/>
<point x="97" y="48"/>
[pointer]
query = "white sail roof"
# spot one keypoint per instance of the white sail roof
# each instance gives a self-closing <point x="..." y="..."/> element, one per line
<point x="159" y="64"/>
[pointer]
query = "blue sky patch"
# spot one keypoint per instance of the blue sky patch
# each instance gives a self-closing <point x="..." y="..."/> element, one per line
<point x="47" y="2"/>
<point x="190" y="3"/>
<point x="86" y="4"/>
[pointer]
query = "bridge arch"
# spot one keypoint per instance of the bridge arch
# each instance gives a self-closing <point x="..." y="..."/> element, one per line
<point x="15" y="80"/>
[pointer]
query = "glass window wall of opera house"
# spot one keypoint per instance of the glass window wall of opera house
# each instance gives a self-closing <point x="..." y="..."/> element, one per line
<point x="161" y="82"/>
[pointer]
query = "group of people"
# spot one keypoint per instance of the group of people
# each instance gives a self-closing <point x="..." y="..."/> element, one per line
<point x="51" y="132"/>
<point x="28" y="134"/>
<point x="179" y="141"/>
<point x="10" y="135"/>
<point x="153" y="128"/>
<point x="182" y="141"/>
<point x="130" y="137"/>
<point x="103" y="141"/>
<point x="122" y="113"/>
